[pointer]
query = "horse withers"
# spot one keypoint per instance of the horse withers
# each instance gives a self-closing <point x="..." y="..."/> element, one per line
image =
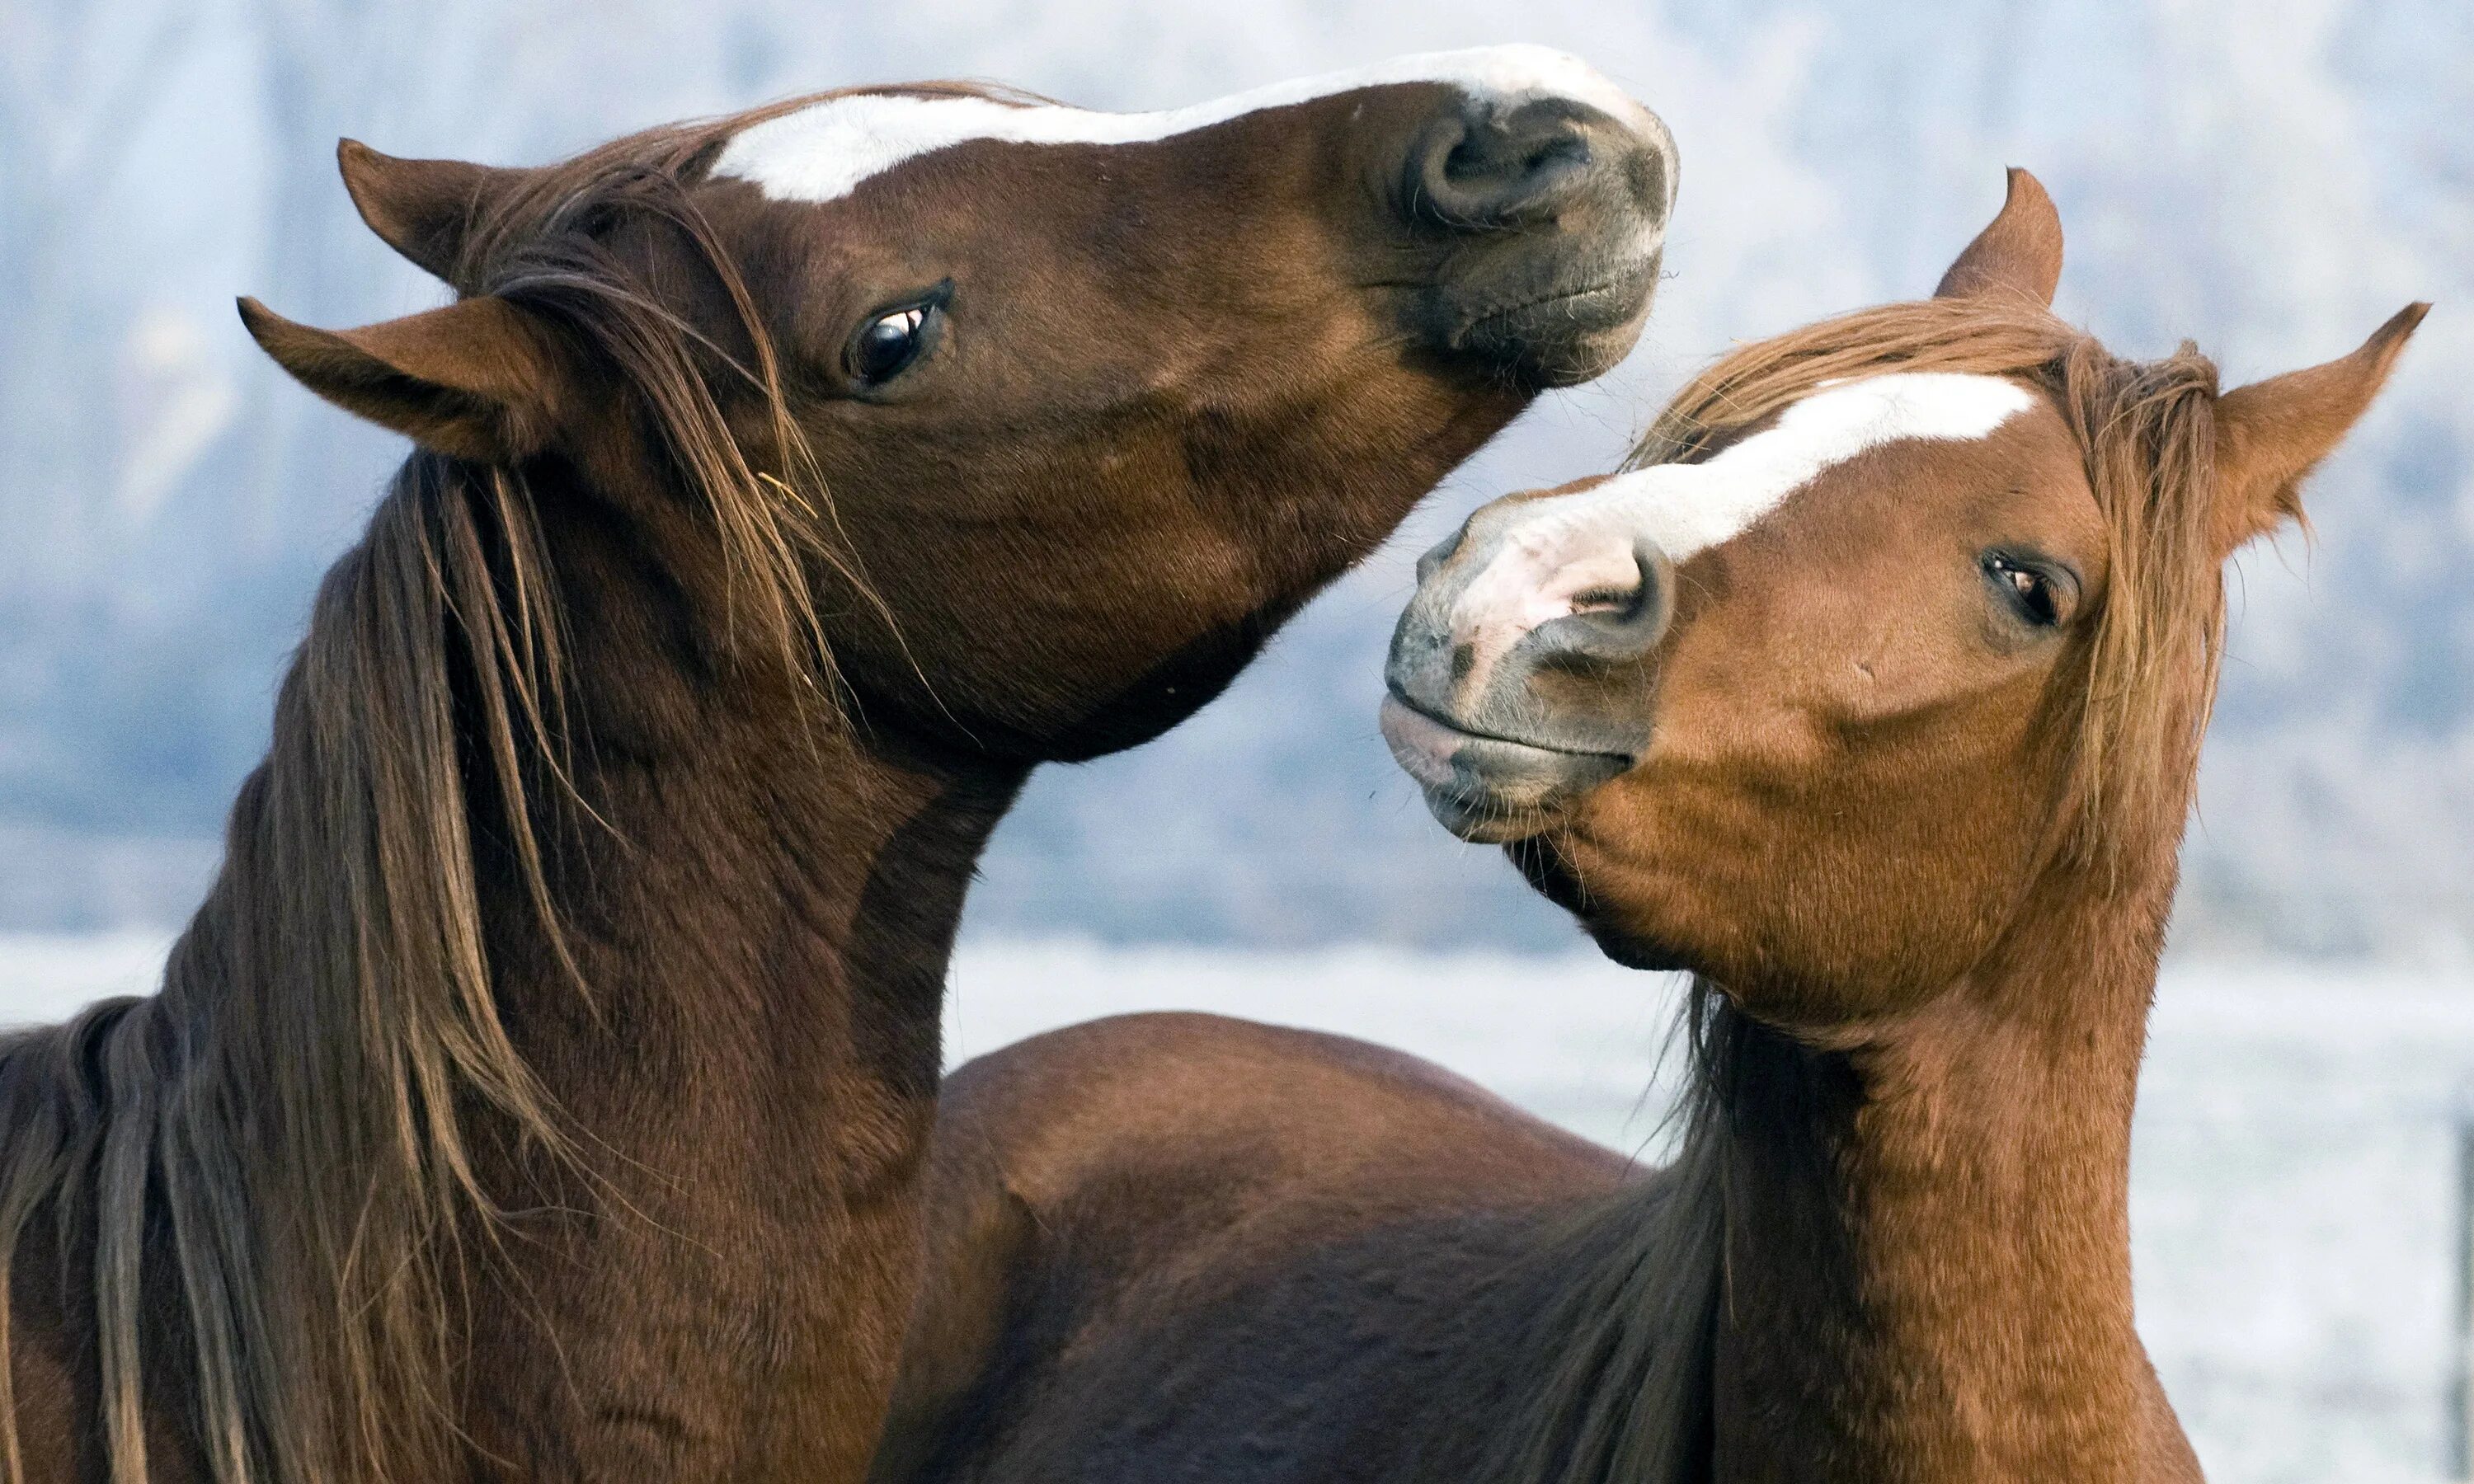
<point x="1872" y="696"/>
<point x="542" y="1090"/>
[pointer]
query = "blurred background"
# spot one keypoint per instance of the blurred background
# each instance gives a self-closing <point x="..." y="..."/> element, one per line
<point x="2270" y="178"/>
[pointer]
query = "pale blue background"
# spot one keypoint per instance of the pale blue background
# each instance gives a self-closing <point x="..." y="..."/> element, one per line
<point x="2271" y="177"/>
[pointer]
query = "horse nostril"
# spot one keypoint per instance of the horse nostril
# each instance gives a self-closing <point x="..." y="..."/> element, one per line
<point x="1609" y="625"/>
<point x="1494" y="158"/>
<point x="1653" y="602"/>
<point x="1483" y="166"/>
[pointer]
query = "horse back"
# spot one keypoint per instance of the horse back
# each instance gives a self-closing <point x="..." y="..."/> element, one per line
<point x="1213" y="1177"/>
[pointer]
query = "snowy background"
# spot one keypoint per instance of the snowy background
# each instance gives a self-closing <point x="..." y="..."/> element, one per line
<point x="2271" y="178"/>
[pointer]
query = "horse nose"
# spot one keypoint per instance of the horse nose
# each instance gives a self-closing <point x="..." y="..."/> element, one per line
<point x="1547" y="214"/>
<point x="1614" y="623"/>
<point x="1485" y="165"/>
<point x="1520" y="675"/>
<point x="1503" y="605"/>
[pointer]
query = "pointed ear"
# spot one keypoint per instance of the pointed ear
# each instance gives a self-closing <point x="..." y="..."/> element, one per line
<point x="2018" y="256"/>
<point x="2271" y="434"/>
<point x="422" y="208"/>
<point x="479" y="379"/>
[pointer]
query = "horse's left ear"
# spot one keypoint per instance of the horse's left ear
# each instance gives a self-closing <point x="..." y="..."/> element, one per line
<point x="2018" y="256"/>
<point x="480" y="379"/>
<point x="422" y="208"/>
<point x="2273" y="432"/>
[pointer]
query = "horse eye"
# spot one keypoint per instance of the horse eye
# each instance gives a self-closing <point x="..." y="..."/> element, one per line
<point x="886" y="345"/>
<point x="2029" y="591"/>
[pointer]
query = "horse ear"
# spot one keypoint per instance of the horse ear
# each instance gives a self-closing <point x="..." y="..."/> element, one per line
<point x="2271" y="434"/>
<point x="479" y="379"/>
<point x="2018" y="256"/>
<point x="422" y="208"/>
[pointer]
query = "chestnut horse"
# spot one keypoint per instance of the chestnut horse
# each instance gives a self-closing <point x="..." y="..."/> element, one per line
<point x="542" y="1090"/>
<point x="1873" y="695"/>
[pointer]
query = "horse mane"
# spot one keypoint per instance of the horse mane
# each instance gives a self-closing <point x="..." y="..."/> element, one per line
<point x="1623" y="1359"/>
<point x="275" y="1163"/>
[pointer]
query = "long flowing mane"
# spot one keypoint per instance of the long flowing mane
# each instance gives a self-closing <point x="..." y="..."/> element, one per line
<point x="1623" y="1362"/>
<point x="259" y="1191"/>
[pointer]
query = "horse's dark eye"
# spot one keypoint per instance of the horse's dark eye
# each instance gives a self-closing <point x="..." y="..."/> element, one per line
<point x="888" y="343"/>
<point x="891" y="341"/>
<point x="2030" y="592"/>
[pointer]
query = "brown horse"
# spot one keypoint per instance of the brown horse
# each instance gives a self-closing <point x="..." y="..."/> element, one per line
<point x="542" y="1090"/>
<point x="1873" y="695"/>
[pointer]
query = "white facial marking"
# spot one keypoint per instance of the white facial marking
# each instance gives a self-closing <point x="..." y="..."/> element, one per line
<point x="1561" y="547"/>
<point x="823" y="152"/>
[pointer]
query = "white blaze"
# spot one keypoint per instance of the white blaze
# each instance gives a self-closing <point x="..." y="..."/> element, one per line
<point x="823" y="152"/>
<point x="1556" y="549"/>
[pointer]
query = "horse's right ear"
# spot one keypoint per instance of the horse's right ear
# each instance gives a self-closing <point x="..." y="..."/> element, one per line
<point x="2271" y="434"/>
<point x="479" y="379"/>
<point x="2018" y="256"/>
<point x="422" y="208"/>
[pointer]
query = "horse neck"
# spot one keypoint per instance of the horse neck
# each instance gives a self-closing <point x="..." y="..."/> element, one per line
<point x="1928" y="1258"/>
<point x="763" y="908"/>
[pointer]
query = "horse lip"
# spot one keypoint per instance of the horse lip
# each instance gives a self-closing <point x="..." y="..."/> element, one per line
<point x="1564" y="336"/>
<point x="1564" y="296"/>
<point x="1486" y="787"/>
<point x="1616" y="292"/>
<point x="1420" y="744"/>
<point x="1393" y="697"/>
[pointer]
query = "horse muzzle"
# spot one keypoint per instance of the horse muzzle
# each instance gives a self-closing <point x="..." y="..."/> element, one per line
<point x="1487" y="788"/>
<point x="1554" y="215"/>
<point x="1520" y="680"/>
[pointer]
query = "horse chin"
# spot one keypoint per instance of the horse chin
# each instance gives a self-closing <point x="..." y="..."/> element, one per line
<point x="1481" y="821"/>
<point x="1642" y="953"/>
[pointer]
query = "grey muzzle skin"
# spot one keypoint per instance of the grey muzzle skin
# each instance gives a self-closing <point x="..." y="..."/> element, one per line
<point x="1504" y="722"/>
<point x="1557" y="218"/>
